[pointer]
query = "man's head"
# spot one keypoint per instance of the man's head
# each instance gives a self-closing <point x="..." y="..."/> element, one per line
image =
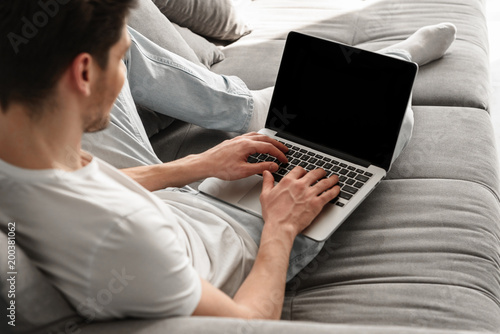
<point x="40" y="40"/>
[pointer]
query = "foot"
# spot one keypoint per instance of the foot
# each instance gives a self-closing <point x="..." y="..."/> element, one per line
<point x="428" y="43"/>
<point x="261" y="102"/>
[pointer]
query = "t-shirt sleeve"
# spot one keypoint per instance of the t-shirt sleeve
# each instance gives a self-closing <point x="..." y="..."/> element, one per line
<point x="140" y="269"/>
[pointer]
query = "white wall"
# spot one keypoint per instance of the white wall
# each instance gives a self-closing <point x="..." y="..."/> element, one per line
<point x="493" y="16"/>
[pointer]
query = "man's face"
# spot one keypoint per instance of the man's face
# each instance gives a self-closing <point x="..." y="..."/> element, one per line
<point x="108" y="85"/>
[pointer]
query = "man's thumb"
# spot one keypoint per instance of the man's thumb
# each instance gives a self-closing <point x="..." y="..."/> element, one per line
<point x="268" y="181"/>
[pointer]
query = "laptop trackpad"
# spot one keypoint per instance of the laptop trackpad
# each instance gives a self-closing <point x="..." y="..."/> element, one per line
<point x="251" y="200"/>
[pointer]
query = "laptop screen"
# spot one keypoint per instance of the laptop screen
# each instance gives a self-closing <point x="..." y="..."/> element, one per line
<point x="341" y="98"/>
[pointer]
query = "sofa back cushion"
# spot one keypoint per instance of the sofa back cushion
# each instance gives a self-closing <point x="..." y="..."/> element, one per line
<point x="217" y="19"/>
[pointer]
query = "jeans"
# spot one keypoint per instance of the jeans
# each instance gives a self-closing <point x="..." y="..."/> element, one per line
<point x="169" y="84"/>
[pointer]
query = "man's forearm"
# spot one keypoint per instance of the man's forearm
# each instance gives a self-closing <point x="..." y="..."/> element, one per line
<point x="263" y="291"/>
<point x="177" y="173"/>
<point x="287" y="208"/>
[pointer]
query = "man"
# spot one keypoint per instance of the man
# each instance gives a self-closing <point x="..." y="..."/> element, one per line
<point x="110" y="245"/>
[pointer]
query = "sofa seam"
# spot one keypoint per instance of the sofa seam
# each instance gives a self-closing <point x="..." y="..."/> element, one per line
<point x="355" y="34"/>
<point x="482" y="185"/>
<point x="481" y="108"/>
<point x="481" y="292"/>
<point x="290" y="306"/>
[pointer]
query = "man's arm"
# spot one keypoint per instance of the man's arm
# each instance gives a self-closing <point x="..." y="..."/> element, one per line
<point x="288" y="208"/>
<point x="227" y="161"/>
<point x="177" y="173"/>
<point x="261" y="294"/>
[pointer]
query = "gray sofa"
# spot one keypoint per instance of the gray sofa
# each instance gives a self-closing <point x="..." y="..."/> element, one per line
<point x="421" y="255"/>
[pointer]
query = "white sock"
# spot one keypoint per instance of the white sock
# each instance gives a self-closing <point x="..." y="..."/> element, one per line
<point x="261" y="102"/>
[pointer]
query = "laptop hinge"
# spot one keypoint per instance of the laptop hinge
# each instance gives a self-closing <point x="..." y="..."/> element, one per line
<point x="326" y="150"/>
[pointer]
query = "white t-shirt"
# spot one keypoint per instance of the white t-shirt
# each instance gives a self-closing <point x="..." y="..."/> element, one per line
<point x="115" y="249"/>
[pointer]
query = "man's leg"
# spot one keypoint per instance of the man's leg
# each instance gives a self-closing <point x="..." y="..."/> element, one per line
<point x="406" y="130"/>
<point x="424" y="46"/>
<point x="169" y="84"/>
<point x="428" y="43"/>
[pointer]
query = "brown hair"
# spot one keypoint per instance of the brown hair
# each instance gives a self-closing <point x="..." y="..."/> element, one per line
<point x="40" y="38"/>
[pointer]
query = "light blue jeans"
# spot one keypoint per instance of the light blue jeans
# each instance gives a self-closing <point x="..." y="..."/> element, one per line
<point x="171" y="85"/>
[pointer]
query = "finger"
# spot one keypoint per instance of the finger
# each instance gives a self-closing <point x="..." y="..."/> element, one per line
<point x="267" y="182"/>
<point x="250" y="134"/>
<point x="279" y="145"/>
<point x="324" y="185"/>
<point x="314" y="175"/>
<point x="259" y="168"/>
<point x="330" y="194"/>
<point x="263" y="147"/>
<point x="296" y="173"/>
<point x="335" y="177"/>
<point x="260" y="137"/>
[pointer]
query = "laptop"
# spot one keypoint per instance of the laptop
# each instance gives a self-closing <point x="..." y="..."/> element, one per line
<point x="335" y="107"/>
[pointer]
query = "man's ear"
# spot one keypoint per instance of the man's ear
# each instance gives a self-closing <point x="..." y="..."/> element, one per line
<point x="82" y="72"/>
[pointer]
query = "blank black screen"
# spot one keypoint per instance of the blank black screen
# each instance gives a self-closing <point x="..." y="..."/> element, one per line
<point x="341" y="97"/>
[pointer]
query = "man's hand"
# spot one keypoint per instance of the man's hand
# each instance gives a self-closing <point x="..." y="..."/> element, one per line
<point x="228" y="160"/>
<point x="288" y="208"/>
<point x="297" y="199"/>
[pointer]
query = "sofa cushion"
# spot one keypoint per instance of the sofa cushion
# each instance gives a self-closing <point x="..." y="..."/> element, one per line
<point x="265" y="53"/>
<point x="417" y="252"/>
<point x="154" y="122"/>
<point x="264" y="46"/>
<point x="216" y="19"/>
<point x="456" y="80"/>
<point x="450" y="143"/>
<point x="183" y="139"/>
<point x="215" y="325"/>
<point x="40" y="308"/>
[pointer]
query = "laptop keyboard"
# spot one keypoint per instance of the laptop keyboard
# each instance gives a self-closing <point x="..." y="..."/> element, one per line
<point x="351" y="178"/>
